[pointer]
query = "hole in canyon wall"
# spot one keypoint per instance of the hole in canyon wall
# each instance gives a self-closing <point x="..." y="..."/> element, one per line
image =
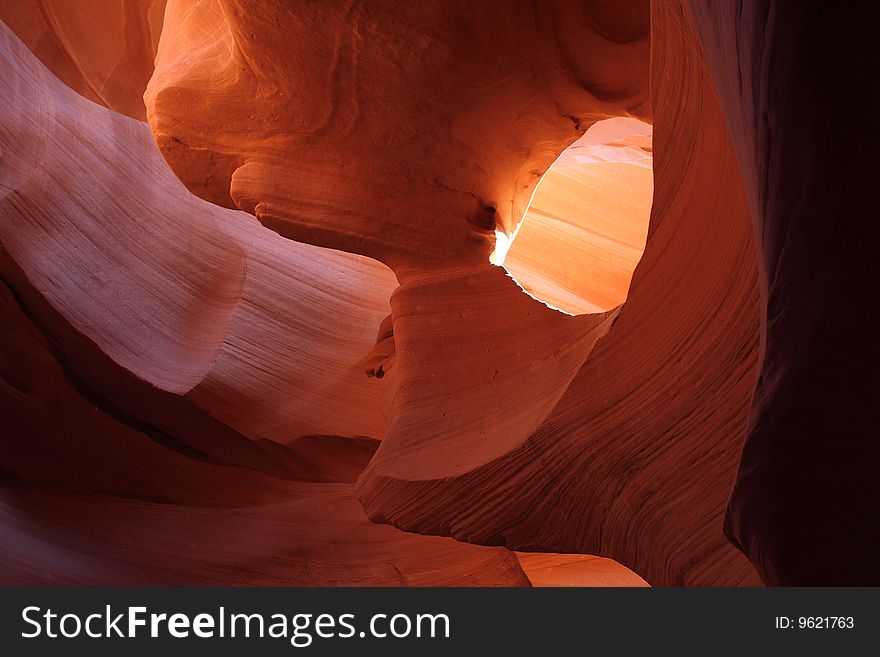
<point x="584" y="231"/>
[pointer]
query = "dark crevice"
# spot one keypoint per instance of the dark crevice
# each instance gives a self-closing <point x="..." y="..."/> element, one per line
<point x="98" y="399"/>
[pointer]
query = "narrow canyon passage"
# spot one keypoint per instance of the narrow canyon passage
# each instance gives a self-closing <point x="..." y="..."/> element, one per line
<point x="437" y="293"/>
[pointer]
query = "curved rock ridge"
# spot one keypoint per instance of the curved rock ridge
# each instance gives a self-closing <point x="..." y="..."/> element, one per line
<point x="102" y="49"/>
<point x="478" y="366"/>
<point x="584" y="231"/>
<point x="265" y="333"/>
<point x="805" y="504"/>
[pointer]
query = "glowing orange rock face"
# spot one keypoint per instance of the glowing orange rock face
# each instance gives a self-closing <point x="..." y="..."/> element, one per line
<point x="408" y="135"/>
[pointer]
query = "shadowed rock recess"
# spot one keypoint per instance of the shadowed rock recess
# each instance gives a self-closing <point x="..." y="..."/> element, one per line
<point x="282" y="280"/>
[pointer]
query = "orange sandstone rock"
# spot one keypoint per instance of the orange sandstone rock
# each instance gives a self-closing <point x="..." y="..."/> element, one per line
<point x="102" y="49"/>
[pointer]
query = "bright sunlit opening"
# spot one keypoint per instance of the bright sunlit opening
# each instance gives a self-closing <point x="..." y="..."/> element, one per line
<point x="584" y="230"/>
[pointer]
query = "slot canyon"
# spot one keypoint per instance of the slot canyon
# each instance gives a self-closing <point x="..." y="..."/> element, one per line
<point x="439" y="293"/>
